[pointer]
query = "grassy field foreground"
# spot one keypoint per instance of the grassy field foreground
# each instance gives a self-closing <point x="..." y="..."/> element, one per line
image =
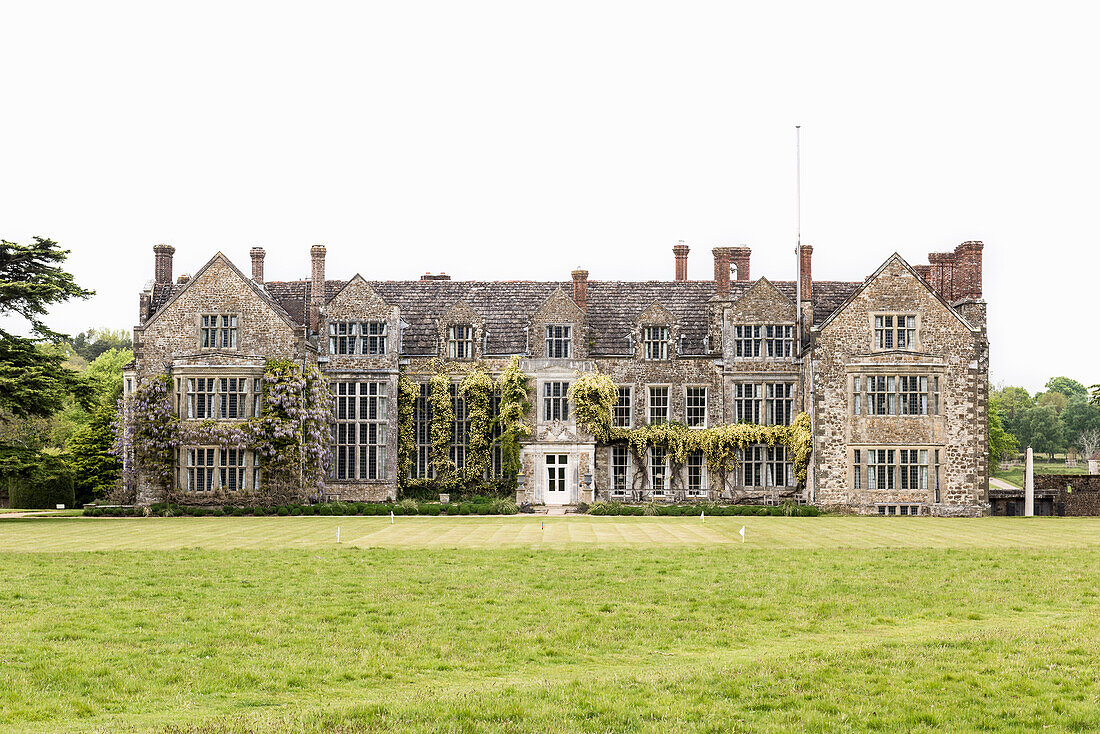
<point x="581" y="624"/>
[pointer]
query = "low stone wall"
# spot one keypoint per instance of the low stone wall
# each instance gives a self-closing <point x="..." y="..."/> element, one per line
<point x="1074" y="494"/>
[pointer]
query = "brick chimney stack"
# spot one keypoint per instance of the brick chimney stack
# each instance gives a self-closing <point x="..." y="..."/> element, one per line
<point x="739" y="256"/>
<point x="722" y="271"/>
<point x="580" y="288"/>
<point x="681" y="252"/>
<point x="162" y="270"/>
<point x="942" y="264"/>
<point x="805" y="274"/>
<point x="257" y="254"/>
<point x="967" y="281"/>
<point x="317" y="286"/>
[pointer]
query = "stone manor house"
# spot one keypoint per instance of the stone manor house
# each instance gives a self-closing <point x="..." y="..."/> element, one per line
<point x="891" y="369"/>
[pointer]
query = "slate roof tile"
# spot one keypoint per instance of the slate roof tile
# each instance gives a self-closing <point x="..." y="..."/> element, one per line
<point x="505" y="306"/>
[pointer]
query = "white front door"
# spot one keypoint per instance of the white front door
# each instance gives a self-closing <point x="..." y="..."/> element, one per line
<point x="557" y="492"/>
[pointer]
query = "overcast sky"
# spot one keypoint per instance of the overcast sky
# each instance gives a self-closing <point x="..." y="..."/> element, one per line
<point x="517" y="141"/>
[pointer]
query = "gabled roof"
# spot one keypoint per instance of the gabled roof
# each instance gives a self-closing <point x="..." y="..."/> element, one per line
<point x="507" y="306"/>
<point x="874" y="276"/>
<point x="165" y="297"/>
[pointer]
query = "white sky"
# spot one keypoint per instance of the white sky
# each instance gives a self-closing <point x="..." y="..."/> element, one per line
<point x="514" y="140"/>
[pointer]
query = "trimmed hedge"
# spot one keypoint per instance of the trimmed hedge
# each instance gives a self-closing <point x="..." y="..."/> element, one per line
<point x="45" y="486"/>
<point x="617" y="508"/>
<point x="433" y="509"/>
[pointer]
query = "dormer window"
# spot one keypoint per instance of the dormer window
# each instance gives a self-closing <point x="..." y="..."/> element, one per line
<point x="218" y="331"/>
<point x="559" y="339"/>
<point x="895" y="331"/>
<point x="655" y="342"/>
<point x="460" y="341"/>
<point x="357" y="337"/>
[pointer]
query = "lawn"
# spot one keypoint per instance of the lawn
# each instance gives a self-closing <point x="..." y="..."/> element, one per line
<point x="1015" y="475"/>
<point x="556" y="624"/>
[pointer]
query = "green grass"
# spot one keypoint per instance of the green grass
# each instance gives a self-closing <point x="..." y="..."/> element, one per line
<point x="1015" y="475"/>
<point x="562" y="624"/>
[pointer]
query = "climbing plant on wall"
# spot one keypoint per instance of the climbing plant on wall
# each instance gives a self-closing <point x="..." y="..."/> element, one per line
<point x="476" y="388"/>
<point x="408" y="392"/>
<point x="515" y="403"/>
<point x="477" y="391"/>
<point x="290" y="437"/>
<point x="594" y="397"/>
<point x="442" y="430"/>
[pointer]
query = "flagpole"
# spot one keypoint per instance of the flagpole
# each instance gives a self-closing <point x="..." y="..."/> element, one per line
<point x="798" y="234"/>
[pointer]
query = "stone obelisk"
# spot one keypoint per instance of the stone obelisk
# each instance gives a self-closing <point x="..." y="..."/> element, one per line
<point x="1029" y="485"/>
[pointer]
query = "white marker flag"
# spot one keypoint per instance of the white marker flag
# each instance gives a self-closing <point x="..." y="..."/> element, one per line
<point x="337" y="533"/>
<point x="742" y="533"/>
<point x="391" y="517"/>
<point x="701" y="517"/>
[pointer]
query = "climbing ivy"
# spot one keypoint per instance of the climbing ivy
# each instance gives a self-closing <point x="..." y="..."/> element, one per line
<point x="514" y="406"/>
<point x="408" y="392"/>
<point x="594" y="397"/>
<point x="442" y="430"/>
<point x="477" y="390"/>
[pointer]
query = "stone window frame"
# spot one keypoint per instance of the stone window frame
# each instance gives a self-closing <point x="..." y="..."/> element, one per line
<point x="769" y="456"/>
<point x="666" y="475"/>
<point x="762" y="339"/>
<point x="614" y="452"/>
<point x="356" y="338"/>
<point x="379" y="401"/>
<point x="629" y="406"/>
<point x="706" y="404"/>
<point x="451" y="342"/>
<point x="696" y="460"/>
<point x="899" y="509"/>
<point x="858" y="467"/>
<point x="562" y="400"/>
<point x="422" y="435"/>
<point x="248" y="467"/>
<point x="859" y="400"/>
<point x="566" y="341"/>
<point x="649" y="401"/>
<point x="914" y="347"/>
<point x="235" y="329"/>
<point x="253" y="393"/>
<point x="764" y="401"/>
<point x="667" y="343"/>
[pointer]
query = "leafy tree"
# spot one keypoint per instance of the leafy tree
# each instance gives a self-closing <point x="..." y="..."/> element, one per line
<point x="1055" y="400"/>
<point x="34" y="381"/>
<point x="94" y="467"/>
<point x="1079" y="417"/>
<point x="1001" y="443"/>
<point x="94" y="342"/>
<point x="1066" y="386"/>
<point x="1041" y="430"/>
<point x="1013" y="401"/>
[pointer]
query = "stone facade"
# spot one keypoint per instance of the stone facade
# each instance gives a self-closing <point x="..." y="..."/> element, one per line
<point x="698" y="352"/>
